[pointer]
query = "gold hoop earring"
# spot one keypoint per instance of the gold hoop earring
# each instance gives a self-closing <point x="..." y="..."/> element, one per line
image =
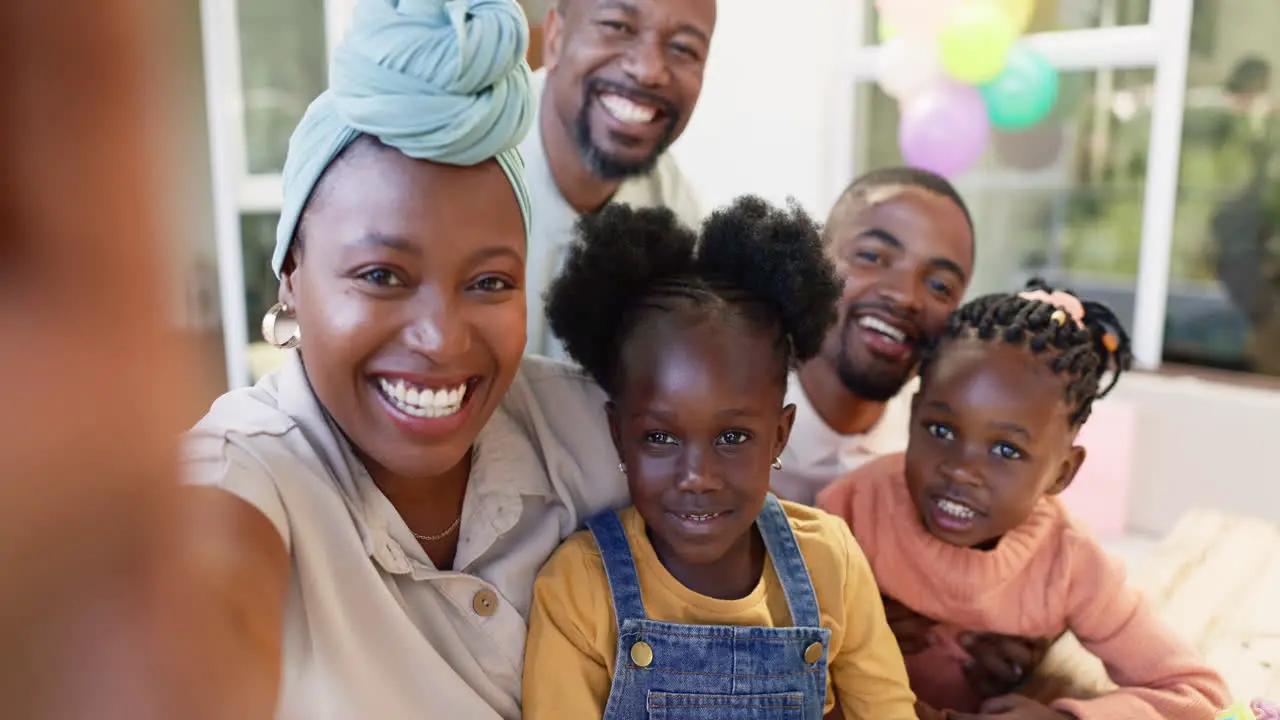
<point x="777" y="463"/>
<point x="269" y="322"/>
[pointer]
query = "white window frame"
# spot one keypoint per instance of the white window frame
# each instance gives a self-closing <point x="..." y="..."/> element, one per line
<point x="237" y="192"/>
<point x="1162" y="44"/>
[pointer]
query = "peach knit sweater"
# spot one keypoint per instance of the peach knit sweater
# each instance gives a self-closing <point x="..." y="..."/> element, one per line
<point x="1044" y="577"/>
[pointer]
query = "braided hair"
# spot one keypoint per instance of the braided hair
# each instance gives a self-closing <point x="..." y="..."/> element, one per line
<point x="1083" y="355"/>
<point x="753" y="264"/>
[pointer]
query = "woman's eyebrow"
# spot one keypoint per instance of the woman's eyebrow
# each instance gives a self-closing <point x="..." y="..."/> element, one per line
<point x="392" y="242"/>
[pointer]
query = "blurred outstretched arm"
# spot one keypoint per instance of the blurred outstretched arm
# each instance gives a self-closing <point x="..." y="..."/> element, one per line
<point x="101" y="608"/>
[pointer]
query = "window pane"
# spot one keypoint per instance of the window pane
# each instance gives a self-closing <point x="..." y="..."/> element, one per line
<point x="284" y="65"/>
<point x="258" y="241"/>
<point x="1224" y="296"/>
<point x="1076" y="219"/>
<point x="1063" y="15"/>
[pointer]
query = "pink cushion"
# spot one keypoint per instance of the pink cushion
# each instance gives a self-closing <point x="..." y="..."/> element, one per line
<point x="1099" y="497"/>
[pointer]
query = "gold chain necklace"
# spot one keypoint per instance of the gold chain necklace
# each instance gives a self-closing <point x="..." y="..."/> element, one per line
<point x="451" y="529"/>
<point x="441" y="536"/>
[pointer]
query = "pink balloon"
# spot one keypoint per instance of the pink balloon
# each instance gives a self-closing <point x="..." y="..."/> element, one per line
<point x="944" y="129"/>
<point x="916" y="18"/>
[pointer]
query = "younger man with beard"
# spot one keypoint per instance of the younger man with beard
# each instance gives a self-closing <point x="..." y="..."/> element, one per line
<point x="903" y="241"/>
<point x="619" y="84"/>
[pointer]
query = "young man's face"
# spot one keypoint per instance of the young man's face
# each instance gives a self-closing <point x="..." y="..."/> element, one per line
<point x="906" y="256"/>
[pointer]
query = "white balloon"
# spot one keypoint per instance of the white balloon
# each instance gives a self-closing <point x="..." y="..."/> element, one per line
<point x="906" y="66"/>
<point x="919" y="18"/>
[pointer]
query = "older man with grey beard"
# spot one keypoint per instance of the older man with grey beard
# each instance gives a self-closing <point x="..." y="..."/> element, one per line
<point x="620" y="82"/>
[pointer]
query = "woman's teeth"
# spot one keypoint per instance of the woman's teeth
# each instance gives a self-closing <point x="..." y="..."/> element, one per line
<point x="956" y="510"/>
<point x="626" y="110"/>
<point x="423" y="402"/>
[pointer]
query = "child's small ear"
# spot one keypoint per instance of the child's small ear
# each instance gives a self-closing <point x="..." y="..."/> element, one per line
<point x="785" y="423"/>
<point x="611" y="411"/>
<point x="1070" y="466"/>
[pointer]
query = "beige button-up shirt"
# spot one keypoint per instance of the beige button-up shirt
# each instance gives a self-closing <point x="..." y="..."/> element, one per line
<point x="372" y="628"/>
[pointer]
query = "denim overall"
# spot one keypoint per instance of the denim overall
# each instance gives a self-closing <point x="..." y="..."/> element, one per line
<point x="665" y="671"/>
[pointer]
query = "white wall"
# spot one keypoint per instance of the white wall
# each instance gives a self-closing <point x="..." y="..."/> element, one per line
<point x="1202" y="444"/>
<point x="763" y="122"/>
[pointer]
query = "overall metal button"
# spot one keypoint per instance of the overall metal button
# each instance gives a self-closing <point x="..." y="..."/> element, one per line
<point x="813" y="653"/>
<point x="485" y="603"/>
<point x="641" y="654"/>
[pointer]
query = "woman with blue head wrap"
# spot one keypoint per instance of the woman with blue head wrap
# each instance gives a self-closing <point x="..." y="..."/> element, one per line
<point x="376" y="510"/>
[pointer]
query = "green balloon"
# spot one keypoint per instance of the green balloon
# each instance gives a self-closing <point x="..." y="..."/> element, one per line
<point x="1023" y="93"/>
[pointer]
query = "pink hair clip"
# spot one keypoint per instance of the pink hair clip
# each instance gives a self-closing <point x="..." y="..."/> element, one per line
<point x="1068" y="305"/>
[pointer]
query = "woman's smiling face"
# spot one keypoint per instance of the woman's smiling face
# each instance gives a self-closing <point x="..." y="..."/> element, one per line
<point x="408" y="286"/>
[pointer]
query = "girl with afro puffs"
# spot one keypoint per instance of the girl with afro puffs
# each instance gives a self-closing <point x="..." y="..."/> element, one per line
<point x="709" y="597"/>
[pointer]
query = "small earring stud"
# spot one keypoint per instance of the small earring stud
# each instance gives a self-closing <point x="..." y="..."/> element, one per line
<point x="622" y="468"/>
<point x="777" y="463"/>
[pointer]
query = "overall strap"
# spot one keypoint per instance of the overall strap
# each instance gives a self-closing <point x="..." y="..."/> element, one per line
<point x="780" y="541"/>
<point x="619" y="566"/>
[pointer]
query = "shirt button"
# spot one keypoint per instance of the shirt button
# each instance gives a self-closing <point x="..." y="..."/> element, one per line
<point x="485" y="603"/>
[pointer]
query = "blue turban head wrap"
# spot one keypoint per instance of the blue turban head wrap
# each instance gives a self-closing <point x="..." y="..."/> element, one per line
<point x="440" y="80"/>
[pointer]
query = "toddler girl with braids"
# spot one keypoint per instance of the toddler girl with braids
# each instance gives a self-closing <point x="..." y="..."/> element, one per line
<point x="966" y="531"/>
<point x="709" y="598"/>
